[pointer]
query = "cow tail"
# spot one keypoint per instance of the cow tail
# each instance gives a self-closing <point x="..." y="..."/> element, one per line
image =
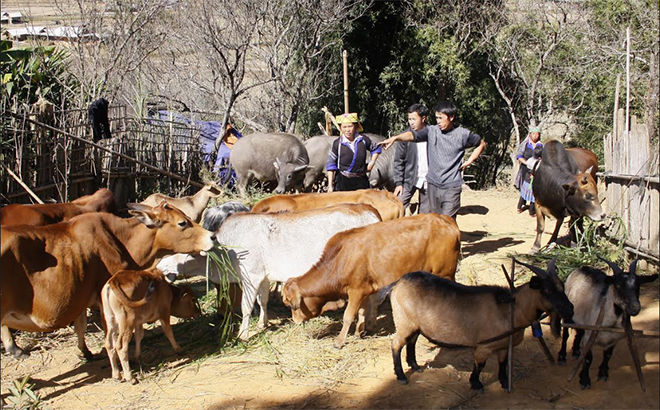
<point x="125" y="300"/>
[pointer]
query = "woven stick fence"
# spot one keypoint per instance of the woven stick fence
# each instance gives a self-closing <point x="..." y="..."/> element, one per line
<point x="59" y="160"/>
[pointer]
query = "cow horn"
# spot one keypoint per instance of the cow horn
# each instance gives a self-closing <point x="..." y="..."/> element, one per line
<point x="615" y="268"/>
<point x="552" y="266"/>
<point x="538" y="271"/>
<point x="633" y="267"/>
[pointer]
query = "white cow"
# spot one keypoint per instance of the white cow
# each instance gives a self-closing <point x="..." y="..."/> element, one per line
<point x="267" y="247"/>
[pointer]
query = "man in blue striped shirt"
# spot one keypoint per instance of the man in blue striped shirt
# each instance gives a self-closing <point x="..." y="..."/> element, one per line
<point x="445" y="149"/>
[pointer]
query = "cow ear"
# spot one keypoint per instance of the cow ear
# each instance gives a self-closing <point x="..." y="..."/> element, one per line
<point x="569" y="188"/>
<point x="139" y="207"/>
<point x="147" y="217"/>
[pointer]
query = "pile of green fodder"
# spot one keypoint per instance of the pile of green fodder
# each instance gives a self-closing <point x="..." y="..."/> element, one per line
<point x="592" y="243"/>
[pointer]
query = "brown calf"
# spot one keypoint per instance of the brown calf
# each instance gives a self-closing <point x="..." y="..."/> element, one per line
<point x="102" y="200"/>
<point x="132" y="298"/>
<point x="193" y="205"/>
<point x="386" y="203"/>
<point x="358" y="262"/>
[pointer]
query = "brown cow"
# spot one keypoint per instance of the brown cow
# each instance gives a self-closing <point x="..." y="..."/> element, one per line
<point x="585" y="160"/>
<point x="192" y="205"/>
<point x="386" y="203"/>
<point x="51" y="274"/>
<point x="45" y="214"/>
<point x="132" y="298"/>
<point x="561" y="189"/>
<point x="358" y="262"/>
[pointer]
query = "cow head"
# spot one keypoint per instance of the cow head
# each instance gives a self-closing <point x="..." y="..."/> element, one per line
<point x="213" y="189"/>
<point x="289" y="175"/>
<point x="173" y="232"/>
<point x="626" y="286"/>
<point x="552" y="295"/>
<point x="184" y="302"/>
<point x="582" y="196"/>
<point x="303" y="308"/>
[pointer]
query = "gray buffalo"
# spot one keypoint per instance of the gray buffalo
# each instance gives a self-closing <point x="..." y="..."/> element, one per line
<point x="269" y="158"/>
<point x="382" y="175"/>
<point x="317" y="148"/>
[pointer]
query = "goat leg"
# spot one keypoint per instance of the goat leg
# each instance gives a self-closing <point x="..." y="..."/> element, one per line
<point x="411" y="358"/>
<point x="561" y="356"/>
<point x="475" y="383"/>
<point x="604" y="369"/>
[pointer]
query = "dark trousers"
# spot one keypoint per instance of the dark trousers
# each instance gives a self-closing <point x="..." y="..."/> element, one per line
<point x="343" y="183"/>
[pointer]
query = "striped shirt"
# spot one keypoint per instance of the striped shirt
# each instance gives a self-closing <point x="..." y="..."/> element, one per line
<point x="445" y="150"/>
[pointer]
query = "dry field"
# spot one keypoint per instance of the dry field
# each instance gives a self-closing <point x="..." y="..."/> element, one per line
<point x="295" y="367"/>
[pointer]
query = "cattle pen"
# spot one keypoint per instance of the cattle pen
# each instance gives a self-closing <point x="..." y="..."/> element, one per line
<point x="58" y="160"/>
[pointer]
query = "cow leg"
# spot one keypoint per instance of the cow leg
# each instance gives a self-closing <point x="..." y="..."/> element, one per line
<point x="138" y="332"/>
<point x="366" y="316"/>
<point x="604" y="369"/>
<point x="247" y="303"/>
<point x="167" y="329"/>
<point x="111" y="348"/>
<point x="411" y="357"/>
<point x="123" y="339"/>
<point x="540" y="227"/>
<point x="555" y="234"/>
<point x="8" y="342"/>
<point x="262" y="300"/>
<point x="80" y="325"/>
<point x="561" y="356"/>
<point x="354" y="303"/>
<point x="398" y="341"/>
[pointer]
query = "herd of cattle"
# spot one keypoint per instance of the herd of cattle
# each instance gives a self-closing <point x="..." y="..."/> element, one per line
<point x="58" y="260"/>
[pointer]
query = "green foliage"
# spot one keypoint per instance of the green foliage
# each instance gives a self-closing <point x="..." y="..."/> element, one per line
<point x="22" y="396"/>
<point x="590" y="245"/>
<point x="32" y="72"/>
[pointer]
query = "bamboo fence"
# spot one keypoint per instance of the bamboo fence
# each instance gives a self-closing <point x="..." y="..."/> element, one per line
<point x="631" y="178"/>
<point x="57" y="165"/>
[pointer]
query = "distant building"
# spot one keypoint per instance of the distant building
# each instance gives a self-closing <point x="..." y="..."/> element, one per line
<point x="11" y="17"/>
<point x="60" y="33"/>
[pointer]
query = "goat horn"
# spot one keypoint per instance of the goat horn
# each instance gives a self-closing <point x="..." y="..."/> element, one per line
<point x="615" y="268"/>
<point x="552" y="266"/>
<point x="538" y="271"/>
<point x="633" y="267"/>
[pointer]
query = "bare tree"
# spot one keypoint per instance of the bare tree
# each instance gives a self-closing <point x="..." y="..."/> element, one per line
<point x="299" y="41"/>
<point x="129" y="32"/>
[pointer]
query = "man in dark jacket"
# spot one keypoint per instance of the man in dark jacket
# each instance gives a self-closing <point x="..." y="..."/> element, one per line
<point x="411" y="163"/>
<point x="98" y="116"/>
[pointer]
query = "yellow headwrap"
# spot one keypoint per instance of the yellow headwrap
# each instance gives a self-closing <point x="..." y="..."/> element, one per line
<point x="349" y="117"/>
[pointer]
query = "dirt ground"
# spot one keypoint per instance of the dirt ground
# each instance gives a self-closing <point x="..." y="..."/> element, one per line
<point x="275" y="372"/>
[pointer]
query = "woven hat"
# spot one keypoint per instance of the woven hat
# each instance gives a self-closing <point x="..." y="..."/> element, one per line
<point x="349" y="117"/>
<point x="534" y="129"/>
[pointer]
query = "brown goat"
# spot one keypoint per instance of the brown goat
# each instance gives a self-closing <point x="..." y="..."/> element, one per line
<point x="132" y="298"/>
<point x="453" y="315"/>
<point x="193" y="205"/>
